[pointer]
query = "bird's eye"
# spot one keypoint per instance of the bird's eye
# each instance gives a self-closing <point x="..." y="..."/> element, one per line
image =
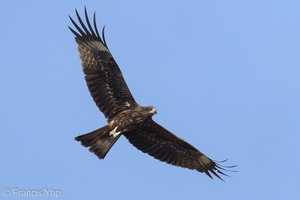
<point x="149" y="109"/>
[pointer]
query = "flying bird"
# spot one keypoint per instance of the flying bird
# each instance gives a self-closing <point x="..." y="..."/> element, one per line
<point x="124" y="115"/>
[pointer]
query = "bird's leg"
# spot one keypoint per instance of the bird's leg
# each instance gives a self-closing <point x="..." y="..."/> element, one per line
<point x="113" y="133"/>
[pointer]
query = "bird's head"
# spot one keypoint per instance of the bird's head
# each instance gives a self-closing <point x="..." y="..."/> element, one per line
<point x="151" y="110"/>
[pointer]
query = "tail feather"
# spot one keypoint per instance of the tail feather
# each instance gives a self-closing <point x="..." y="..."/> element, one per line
<point x="98" y="141"/>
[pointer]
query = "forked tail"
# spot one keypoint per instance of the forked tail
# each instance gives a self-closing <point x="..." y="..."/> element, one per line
<point x="99" y="141"/>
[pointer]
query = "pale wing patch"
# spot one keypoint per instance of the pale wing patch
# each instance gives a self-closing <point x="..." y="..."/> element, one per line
<point x="98" y="45"/>
<point x="205" y="160"/>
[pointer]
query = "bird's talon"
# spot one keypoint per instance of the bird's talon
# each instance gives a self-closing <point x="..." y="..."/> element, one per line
<point x="113" y="133"/>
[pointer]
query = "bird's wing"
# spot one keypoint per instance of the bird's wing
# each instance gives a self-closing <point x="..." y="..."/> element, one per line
<point x="102" y="74"/>
<point x="167" y="147"/>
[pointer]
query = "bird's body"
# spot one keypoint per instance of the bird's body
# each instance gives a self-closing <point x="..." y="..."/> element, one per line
<point x="124" y="115"/>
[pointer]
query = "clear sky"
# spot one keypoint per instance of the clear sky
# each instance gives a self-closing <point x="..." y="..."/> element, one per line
<point x="223" y="75"/>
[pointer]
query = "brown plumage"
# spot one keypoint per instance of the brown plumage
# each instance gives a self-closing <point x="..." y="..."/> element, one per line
<point x="124" y="115"/>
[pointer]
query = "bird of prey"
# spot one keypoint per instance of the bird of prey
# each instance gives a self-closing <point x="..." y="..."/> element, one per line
<point x="124" y="115"/>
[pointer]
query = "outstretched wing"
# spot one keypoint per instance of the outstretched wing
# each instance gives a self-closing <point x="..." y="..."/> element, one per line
<point x="102" y="74"/>
<point x="167" y="147"/>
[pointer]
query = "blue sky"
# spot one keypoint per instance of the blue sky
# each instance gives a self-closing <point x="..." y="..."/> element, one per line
<point x="223" y="75"/>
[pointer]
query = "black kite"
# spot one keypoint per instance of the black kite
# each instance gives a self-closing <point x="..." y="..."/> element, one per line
<point x="124" y="115"/>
